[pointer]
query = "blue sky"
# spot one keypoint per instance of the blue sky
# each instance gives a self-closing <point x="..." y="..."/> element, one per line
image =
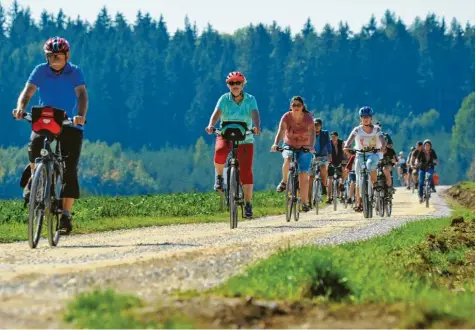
<point x="227" y="16"/>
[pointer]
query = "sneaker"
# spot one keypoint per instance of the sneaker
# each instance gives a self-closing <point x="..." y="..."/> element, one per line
<point x="281" y="187"/>
<point x="218" y="183"/>
<point x="306" y="207"/>
<point x="248" y="211"/>
<point x="65" y="225"/>
<point x="349" y="201"/>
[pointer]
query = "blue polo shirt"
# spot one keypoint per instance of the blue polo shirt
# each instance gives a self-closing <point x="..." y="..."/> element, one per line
<point x="58" y="90"/>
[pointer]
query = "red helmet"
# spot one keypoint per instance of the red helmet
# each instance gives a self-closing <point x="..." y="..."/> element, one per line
<point x="235" y="76"/>
<point x="56" y="45"/>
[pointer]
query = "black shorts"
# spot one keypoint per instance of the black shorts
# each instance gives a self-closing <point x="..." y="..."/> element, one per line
<point x="404" y="169"/>
<point x="330" y="172"/>
<point x="71" y="140"/>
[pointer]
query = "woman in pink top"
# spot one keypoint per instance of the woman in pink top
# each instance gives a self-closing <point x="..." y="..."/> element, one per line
<point x="298" y="130"/>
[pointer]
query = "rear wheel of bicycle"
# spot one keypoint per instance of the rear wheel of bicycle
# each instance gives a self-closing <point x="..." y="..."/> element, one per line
<point x="38" y="205"/>
<point x="232" y="198"/>
<point x="370" y="195"/>
<point x="381" y="204"/>
<point x="289" y="197"/>
<point x="53" y="212"/>
<point x="334" y="194"/>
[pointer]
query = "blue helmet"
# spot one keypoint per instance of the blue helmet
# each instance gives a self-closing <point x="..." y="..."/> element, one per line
<point x="366" y="111"/>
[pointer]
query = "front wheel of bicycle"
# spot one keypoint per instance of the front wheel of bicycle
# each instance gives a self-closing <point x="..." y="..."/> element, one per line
<point x="334" y="194"/>
<point x="38" y="205"/>
<point x="289" y="197"/>
<point x="364" y="193"/>
<point x="232" y="198"/>
<point x="427" y="194"/>
<point x="53" y="212"/>
<point x="297" y="199"/>
<point x="316" y="194"/>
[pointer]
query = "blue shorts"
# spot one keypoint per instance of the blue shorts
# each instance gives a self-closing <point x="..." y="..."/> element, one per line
<point x="303" y="159"/>
<point x="372" y="162"/>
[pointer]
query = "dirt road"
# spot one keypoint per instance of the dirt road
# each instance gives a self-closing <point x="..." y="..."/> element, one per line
<point x="157" y="260"/>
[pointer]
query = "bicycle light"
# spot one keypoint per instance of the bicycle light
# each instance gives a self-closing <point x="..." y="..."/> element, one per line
<point x="44" y="152"/>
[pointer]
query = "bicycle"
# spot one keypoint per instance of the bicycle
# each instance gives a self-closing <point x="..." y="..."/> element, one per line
<point x="347" y="195"/>
<point x="336" y="180"/>
<point x="381" y="190"/>
<point x="46" y="184"/>
<point x="366" y="189"/>
<point x="317" y="188"/>
<point x="293" y="201"/>
<point x="234" y="195"/>
<point x="427" y="189"/>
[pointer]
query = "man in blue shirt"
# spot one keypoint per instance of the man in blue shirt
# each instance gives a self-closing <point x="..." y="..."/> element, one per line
<point x="61" y="85"/>
<point x="321" y="157"/>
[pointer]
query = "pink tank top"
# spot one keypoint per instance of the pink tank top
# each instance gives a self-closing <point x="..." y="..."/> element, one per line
<point x="298" y="134"/>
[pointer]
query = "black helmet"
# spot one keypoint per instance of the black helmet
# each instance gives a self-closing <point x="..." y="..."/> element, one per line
<point x="317" y="121"/>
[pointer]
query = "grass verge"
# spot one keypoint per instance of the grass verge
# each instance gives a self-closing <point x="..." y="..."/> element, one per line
<point x="98" y="214"/>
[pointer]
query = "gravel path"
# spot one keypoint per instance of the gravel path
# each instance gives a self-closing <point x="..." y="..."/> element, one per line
<point x="157" y="260"/>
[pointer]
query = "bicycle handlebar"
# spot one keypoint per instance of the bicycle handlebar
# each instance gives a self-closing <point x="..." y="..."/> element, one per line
<point x="364" y="151"/>
<point x="217" y="131"/>
<point x="28" y="118"/>
<point x="302" y="149"/>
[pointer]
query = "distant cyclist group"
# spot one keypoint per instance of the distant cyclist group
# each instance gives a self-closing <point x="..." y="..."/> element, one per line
<point x="308" y="149"/>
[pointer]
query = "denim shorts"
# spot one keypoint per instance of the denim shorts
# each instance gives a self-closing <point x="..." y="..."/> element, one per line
<point x="372" y="162"/>
<point x="317" y="161"/>
<point x="303" y="159"/>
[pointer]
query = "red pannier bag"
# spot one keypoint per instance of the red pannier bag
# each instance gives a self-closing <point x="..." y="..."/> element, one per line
<point x="436" y="178"/>
<point x="47" y="120"/>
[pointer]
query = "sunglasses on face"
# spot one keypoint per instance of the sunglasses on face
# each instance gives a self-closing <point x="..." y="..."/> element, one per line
<point x="296" y="105"/>
<point x="233" y="83"/>
<point x="56" y="55"/>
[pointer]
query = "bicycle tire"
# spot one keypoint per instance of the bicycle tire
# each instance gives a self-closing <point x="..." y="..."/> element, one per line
<point x="297" y="199"/>
<point x="389" y="208"/>
<point x="364" y="196"/>
<point x="317" y="197"/>
<point x="232" y="196"/>
<point x="381" y="202"/>
<point x="53" y="215"/>
<point x="371" y="195"/>
<point x="289" y="197"/>
<point x="427" y="194"/>
<point x="37" y="205"/>
<point x="334" y="194"/>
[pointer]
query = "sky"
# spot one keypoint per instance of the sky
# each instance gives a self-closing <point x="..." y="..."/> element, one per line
<point x="227" y="16"/>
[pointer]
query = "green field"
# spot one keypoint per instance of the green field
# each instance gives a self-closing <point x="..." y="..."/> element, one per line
<point x="95" y="214"/>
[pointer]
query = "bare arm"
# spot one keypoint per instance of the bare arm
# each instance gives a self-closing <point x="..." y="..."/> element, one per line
<point x="82" y="96"/>
<point x="349" y="141"/>
<point x="281" y="130"/>
<point x="215" y="117"/>
<point x="313" y="136"/>
<point x="26" y="96"/>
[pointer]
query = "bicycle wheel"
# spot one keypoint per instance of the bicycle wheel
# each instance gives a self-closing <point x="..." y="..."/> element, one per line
<point x="364" y="194"/>
<point x="371" y="195"/>
<point x="38" y="205"/>
<point x="289" y="197"/>
<point x="53" y="212"/>
<point x="297" y="198"/>
<point x="427" y="194"/>
<point x="334" y="194"/>
<point x="381" y="203"/>
<point x="346" y="193"/>
<point x="232" y="197"/>
<point x="316" y="194"/>
<point x="389" y="208"/>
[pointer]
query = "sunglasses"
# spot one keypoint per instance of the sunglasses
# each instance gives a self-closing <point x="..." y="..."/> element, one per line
<point x="296" y="105"/>
<point x="233" y="83"/>
<point x="55" y="55"/>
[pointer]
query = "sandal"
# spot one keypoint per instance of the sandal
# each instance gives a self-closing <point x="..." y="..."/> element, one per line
<point x="281" y="187"/>
<point x="358" y="208"/>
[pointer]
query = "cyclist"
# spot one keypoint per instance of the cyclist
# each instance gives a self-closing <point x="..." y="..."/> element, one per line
<point x="61" y="85"/>
<point x="425" y="162"/>
<point x="337" y="157"/>
<point x="410" y="167"/>
<point x="321" y="156"/>
<point x="236" y="106"/>
<point x="415" y="154"/>
<point x="297" y="129"/>
<point x="366" y="136"/>
<point x="386" y="136"/>
<point x="402" y="167"/>
<point x="349" y="174"/>
<point x="389" y="160"/>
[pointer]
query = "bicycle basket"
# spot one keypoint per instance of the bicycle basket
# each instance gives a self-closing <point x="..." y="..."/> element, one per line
<point x="47" y="120"/>
<point x="233" y="132"/>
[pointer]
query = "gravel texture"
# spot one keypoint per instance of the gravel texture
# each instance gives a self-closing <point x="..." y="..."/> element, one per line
<point x="36" y="284"/>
